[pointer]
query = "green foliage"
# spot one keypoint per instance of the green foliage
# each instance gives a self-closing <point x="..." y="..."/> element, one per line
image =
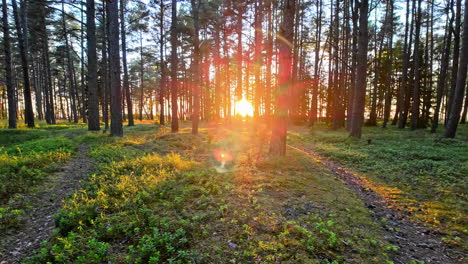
<point x="119" y="205"/>
<point x="10" y="218"/>
<point x="428" y="171"/>
<point x="24" y="165"/>
<point x="161" y="245"/>
<point x="74" y="249"/>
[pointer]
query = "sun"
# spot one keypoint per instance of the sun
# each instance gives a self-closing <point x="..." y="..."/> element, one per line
<point x="244" y="108"/>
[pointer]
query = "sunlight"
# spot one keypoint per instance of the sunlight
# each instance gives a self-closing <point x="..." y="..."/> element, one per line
<point x="244" y="108"/>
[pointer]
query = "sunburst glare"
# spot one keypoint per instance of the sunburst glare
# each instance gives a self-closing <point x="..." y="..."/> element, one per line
<point x="244" y="108"/>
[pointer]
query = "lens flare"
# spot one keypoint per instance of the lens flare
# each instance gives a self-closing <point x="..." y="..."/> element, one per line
<point x="244" y="108"/>
<point x="222" y="155"/>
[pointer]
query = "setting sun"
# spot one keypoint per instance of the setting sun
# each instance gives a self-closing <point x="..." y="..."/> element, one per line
<point x="244" y="108"/>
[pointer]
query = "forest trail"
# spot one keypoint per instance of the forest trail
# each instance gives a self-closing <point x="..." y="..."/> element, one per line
<point x="415" y="241"/>
<point x="39" y="223"/>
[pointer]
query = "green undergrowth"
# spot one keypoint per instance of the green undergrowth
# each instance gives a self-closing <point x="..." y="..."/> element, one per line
<point x="430" y="171"/>
<point x="27" y="158"/>
<point x="164" y="198"/>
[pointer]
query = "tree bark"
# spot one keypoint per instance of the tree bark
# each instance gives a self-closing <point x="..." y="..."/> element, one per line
<point x="22" y="36"/>
<point x="114" y="67"/>
<point x="126" y="86"/>
<point x="388" y="82"/>
<point x="404" y="90"/>
<point x="174" y="95"/>
<point x="196" y="66"/>
<point x="93" y="105"/>
<point x="10" y="84"/>
<point x="162" y="83"/>
<point x="457" y="101"/>
<point x="417" y="72"/>
<point x="361" y="74"/>
<point x="441" y="80"/>
<point x="316" y="79"/>
<point x="456" y="55"/>
<point x="285" y="37"/>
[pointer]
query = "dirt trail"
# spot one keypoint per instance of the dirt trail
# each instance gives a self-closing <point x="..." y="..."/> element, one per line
<point x="19" y="244"/>
<point x="415" y="241"/>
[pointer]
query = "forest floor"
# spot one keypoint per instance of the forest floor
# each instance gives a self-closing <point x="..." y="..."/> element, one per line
<point x="157" y="197"/>
<point x="43" y="204"/>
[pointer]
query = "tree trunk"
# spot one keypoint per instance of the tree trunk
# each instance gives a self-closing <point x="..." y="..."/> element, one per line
<point x="93" y="105"/>
<point x="441" y="80"/>
<point x="114" y="66"/>
<point x="456" y="54"/>
<point x="465" y="111"/>
<point x="361" y="75"/>
<point x="162" y="83"/>
<point x="69" y="67"/>
<point x="286" y="31"/>
<point x="126" y="86"/>
<point x="105" y="68"/>
<point x="22" y="36"/>
<point x="404" y="89"/>
<point x="388" y="83"/>
<point x="240" y="59"/>
<point x="316" y="79"/>
<point x="457" y="101"/>
<point x="82" y="73"/>
<point x="268" y="61"/>
<point x="352" y="89"/>
<point x="8" y="70"/>
<point x="258" y="35"/>
<point x="417" y="72"/>
<point x="196" y="67"/>
<point x="174" y="95"/>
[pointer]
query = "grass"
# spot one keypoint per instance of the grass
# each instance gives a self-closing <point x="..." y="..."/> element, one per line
<point x="27" y="158"/>
<point x="165" y="198"/>
<point x="422" y="172"/>
<point x="157" y="197"/>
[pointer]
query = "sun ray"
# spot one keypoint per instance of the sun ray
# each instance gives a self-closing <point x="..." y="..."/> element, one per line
<point x="244" y="108"/>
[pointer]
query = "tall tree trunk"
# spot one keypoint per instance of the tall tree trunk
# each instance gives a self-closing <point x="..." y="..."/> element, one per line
<point x="174" y="95"/>
<point x="441" y="80"/>
<point x="404" y="90"/>
<point x="142" y="76"/>
<point x="114" y="65"/>
<point x="268" y="61"/>
<point x="456" y="54"/>
<point x="105" y="68"/>
<point x="352" y="89"/>
<point x="22" y="37"/>
<point x="196" y="67"/>
<point x="8" y="70"/>
<point x="388" y="82"/>
<point x="258" y="55"/>
<point x="316" y="79"/>
<point x="46" y="69"/>
<point x="93" y="105"/>
<point x="457" y="101"/>
<point x="69" y="67"/>
<point x="417" y="72"/>
<point x="240" y="58"/>
<point x="286" y="35"/>
<point x="378" y="53"/>
<point x="82" y="73"/>
<point x="361" y="75"/>
<point x="162" y="83"/>
<point x="336" y="87"/>
<point x="126" y="86"/>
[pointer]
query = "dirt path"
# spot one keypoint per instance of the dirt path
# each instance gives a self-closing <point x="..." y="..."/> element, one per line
<point x="415" y="242"/>
<point x="19" y="244"/>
